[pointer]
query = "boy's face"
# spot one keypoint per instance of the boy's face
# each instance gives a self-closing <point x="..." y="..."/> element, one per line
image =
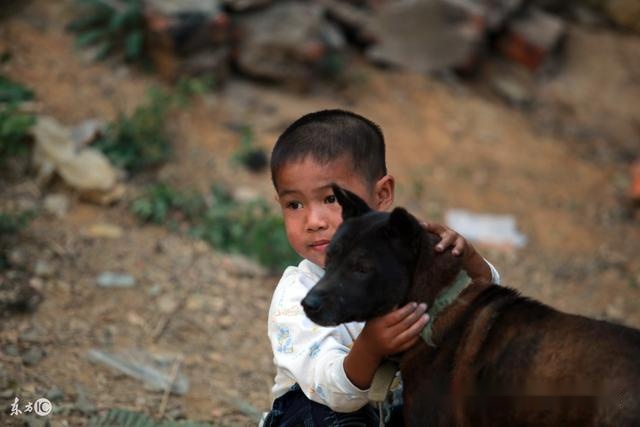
<point x="311" y="212"/>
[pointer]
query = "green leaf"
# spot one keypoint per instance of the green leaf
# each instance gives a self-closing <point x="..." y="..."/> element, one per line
<point x="90" y="37"/>
<point x="133" y="45"/>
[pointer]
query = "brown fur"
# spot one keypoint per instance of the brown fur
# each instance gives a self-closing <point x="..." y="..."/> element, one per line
<point x="505" y="360"/>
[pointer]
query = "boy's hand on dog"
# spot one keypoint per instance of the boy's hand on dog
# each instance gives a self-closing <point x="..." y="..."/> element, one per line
<point x="382" y="336"/>
<point x="473" y="263"/>
<point x="396" y="331"/>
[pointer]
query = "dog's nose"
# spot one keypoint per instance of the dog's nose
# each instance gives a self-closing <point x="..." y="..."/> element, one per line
<point x="312" y="303"/>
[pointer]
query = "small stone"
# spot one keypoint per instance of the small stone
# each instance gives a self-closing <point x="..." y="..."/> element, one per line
<point x="44" y="269"/>
<point x="167" y="304"/>
<point x="32" y="356"/>
<point x="155" y="290"/>
<point x="11" y="350"/>
<point x="104" y="231"/>
<point x="109" y="279"/>
<point x="17" y="257"/>
<point x="56" y="205"/>
<point x="225" y="322"/>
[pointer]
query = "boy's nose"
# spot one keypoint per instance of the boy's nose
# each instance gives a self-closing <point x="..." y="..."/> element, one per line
<point x="316" y="221"/>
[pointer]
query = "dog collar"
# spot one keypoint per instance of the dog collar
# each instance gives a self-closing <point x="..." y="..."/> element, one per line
<point x="442" y="301"/>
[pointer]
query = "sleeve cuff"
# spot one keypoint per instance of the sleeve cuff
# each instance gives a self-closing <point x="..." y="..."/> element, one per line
<point x="495" y="276"/>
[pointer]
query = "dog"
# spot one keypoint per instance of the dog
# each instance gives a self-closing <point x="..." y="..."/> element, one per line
<point x="493" y="357"/>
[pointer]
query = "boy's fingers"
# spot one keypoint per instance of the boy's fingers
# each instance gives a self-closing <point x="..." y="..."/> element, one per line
<point x="447" y="239"/>
<point x="458" y="247"/>
<point x="413" y="331"/>
<point x="398" y="315"/>
<point x="411" y="318"/>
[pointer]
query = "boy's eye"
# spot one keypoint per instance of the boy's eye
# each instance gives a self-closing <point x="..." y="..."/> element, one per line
<point x="330" y="199"/>
<point x="294" y="205"/>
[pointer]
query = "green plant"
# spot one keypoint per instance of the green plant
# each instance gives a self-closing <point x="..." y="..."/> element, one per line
<point x="14" y="123"/>
<point x="139" y="141"/>
<point x="11" y="223"/>
<point x="188" y="87"/>
<point x="126" y="418"/>
<point x="249" y="228"/>
<point x="112" y="26"/>
<point x="161" y="201"/>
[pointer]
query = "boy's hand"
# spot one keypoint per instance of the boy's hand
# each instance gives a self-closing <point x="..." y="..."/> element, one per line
<point x="382" y="336"/>
<point x="475" y="266"/>
<point x="394" y="332"/>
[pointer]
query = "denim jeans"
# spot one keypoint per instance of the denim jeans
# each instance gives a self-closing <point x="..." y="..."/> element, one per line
<point x="295" y="409"/>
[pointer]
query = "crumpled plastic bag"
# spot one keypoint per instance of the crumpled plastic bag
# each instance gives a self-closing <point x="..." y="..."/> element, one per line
<point x="55" y="152"/>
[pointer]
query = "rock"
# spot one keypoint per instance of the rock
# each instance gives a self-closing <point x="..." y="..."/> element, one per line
<point x="288" y="42"/>
<point x="625" y="13"/>
<point x="167" y="304"/>
<point x="44" y="269"/>
<point x="243" y="5"/>
<point x="56" y="204"/>
<point x="514" y="84"/>
<point x="188" y="38"/>
<point x="11" y="350"/>
<point x="355" y="22"/>
<point x="103" y="231"/>
<point x="16" y="293"/>
<point x="532" y="38"/>
<point x="17" y="258"/>
<point x="32" y="356"/>
<point x="110" y="279"/>
<point x="431" y="35"/>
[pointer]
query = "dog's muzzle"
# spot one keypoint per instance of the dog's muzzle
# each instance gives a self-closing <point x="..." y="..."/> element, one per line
<point x="316" y="305"/>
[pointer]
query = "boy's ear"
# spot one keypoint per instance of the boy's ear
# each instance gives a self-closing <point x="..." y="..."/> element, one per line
<point x="404" y="226"/>
<point x="352" y="205"/>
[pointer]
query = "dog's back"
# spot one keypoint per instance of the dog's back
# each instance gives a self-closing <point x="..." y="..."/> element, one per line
<point x="505" y="360"/>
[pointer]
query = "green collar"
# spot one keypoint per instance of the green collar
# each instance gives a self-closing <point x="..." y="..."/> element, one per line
<point x="443" y="300"/>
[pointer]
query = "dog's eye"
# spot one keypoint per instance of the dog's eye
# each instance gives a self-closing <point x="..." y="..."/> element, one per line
<point x="361" y="268"/>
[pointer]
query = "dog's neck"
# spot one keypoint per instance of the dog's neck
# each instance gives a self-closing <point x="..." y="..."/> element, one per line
<point x="433" y="272"/>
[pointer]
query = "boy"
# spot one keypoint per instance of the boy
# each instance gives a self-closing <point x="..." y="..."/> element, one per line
<point x="323" y="374"/>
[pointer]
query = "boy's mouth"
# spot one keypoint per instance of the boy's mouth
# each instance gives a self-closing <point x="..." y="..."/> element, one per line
<point x="320" y="245"/>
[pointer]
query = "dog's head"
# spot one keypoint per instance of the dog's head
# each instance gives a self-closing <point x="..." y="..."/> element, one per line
<point x="369" y="264"/>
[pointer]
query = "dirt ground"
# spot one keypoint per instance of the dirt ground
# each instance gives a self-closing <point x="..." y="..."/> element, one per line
<point x="560" y="168"/>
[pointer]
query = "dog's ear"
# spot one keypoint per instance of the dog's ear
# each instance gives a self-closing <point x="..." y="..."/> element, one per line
<point x="352" y="205"/>
<point x="404" y="226"/>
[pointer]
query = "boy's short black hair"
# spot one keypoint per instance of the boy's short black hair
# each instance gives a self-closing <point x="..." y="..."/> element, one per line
<point x="329" y="135"/>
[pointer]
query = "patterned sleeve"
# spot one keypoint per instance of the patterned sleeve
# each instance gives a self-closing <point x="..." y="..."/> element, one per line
<point x="310" y="355"/>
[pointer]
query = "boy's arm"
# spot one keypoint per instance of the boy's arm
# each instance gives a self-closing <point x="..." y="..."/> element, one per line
<point x="385" y="335"/>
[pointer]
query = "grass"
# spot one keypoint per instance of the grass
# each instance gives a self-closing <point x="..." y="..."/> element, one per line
<point x="14" y="123"/>
<point x="251" y="229"/>
<point x="113" y="27"/>
<point x="139" y="141"/>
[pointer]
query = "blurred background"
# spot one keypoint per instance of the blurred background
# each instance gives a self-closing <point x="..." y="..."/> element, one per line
<point x="139" y="237"/>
